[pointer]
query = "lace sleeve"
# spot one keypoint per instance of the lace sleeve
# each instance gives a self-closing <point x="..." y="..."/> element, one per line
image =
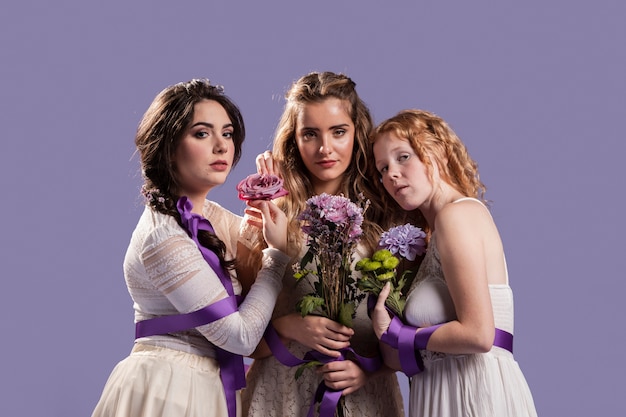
<point x="248" y="234"/>
<point x="241" y="332"/>
<point x="177" y="269"/>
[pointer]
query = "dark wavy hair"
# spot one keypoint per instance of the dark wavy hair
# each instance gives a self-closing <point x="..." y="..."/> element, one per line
<point x="158" y="136"/>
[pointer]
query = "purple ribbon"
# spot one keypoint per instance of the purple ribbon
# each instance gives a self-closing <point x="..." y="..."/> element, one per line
<point x="180" y="322"/>
<point x="409" y="342"/>
<point x="232" y="372"/>
<point x="326" y="397"/>
<point x="402" y="337"/>
<point x="504" y="340"/>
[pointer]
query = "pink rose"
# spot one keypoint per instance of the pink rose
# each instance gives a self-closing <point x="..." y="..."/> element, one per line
<point x="261" y="187"/>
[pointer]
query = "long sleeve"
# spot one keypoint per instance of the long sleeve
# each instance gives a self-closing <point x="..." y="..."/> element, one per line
<point x="177" y="269"/>
<point x="166" y="275"/>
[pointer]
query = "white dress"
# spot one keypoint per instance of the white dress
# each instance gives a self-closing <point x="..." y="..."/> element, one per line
<point x="482" y="385"/>
<point x="273" y="391"/>
<point x="176" y="374"/>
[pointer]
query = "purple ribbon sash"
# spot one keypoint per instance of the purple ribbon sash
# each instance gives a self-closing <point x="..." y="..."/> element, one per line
<point x="326" y="397"/>
<point x="232" y="371"/>
<point x="180" y="322"/>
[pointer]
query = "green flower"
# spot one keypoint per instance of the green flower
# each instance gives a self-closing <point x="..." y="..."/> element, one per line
<point x="391" y="263"/>
<point x="372" y="266"/>
<point x="381" y="255"/>
<point x="361" y="264"/>
<point x="386" y="276"/>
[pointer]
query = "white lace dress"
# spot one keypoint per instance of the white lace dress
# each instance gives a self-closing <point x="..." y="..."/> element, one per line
<point x="482" y="385"/>
<point x="176" y="374"/>
<point x="273" y="391"/>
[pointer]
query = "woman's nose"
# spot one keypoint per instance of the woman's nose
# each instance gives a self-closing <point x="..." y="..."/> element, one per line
<point x="326" y="147"/>
<point x="220" y="146"/>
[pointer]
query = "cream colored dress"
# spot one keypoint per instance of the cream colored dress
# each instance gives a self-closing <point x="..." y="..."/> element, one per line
<point x="176" y="374"/>
<point x="482" y="385"/>
<point x="273" y="391"/>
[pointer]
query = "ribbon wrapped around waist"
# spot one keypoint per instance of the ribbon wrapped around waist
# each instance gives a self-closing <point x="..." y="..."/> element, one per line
<point x="181" y="322"/>
<point x="232" y="372"/>
<point x="326" y="397"/>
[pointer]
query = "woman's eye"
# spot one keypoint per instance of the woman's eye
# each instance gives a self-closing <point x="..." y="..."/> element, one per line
<point x="340" y="132"/>
<point x="308" y="135"/>
<point x="201" y="134"/>
<point x="382" y="170"/>
<point x="403" y="157"/>
<point x="228" y="135"/>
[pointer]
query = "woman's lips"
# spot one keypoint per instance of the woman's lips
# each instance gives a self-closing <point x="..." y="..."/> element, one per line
<point x="219" y="165"/>
<point x="327" y="164"/>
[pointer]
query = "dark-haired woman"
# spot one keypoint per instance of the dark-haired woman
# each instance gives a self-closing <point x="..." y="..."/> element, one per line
<point x="191" y="328"/>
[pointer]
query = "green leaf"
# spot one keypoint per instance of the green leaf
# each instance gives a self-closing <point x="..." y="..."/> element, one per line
<point x="308" y="304"/>
<point x="367" y="285"/>
<point x="346" y="313"/>
<point x="307" y="365"/>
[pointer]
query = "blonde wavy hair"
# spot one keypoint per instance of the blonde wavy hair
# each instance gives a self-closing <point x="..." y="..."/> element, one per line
<point x="433" y="141"/>
<point x="316" y="87"/>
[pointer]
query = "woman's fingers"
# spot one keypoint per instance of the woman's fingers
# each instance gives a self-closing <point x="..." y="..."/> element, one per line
<point x="382" y="297"/>
<point x="265" y="163"/>
<point x="380" y="316"/>
<point x="274" y="223"/>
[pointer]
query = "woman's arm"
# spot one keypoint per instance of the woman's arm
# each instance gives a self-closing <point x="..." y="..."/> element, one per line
<point x="178" y="270"/>
<point x="463" y="233"/>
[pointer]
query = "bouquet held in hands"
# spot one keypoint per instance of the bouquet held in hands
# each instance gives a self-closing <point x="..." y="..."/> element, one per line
<point x="333" y="227"/>
<point x="407" y="241"/>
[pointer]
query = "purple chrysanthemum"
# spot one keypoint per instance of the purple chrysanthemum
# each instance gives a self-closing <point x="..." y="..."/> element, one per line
<point x="333" y="227"/>
<point x="326" y="212"/>
<point x="407" y="240"/>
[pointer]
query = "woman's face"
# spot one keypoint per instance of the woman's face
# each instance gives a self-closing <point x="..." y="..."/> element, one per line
<point x="204" y="156"/>
<point x="404" y="175"/>
<point x="325" y="139"/>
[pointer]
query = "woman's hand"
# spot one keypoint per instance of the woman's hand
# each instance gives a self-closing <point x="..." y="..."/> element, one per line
<point x="274" y="222"/>
<point x="315" y="332"/>
<point x="380" y="316"/>
<point x="265" y="164"/>
<point x="344" y="375"/>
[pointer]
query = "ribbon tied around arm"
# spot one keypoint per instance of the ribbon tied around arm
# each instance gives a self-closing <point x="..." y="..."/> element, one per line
<point x="409" y="341"/>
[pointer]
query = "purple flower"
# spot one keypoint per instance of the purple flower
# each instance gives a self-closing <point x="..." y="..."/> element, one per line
<point x="261" y="187"/>
<point x="327" y="212"/>
<point x="333" y="227"/>
<point x="407" y="240"/>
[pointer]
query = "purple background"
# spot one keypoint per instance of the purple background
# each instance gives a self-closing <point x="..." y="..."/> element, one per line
<point x="536" y="89"/>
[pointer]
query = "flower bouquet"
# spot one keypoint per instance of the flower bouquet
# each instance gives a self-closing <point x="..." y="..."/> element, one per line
<point x="408" y="241"/>
<point x="333" y="228"/>
<point x="261" y="187"/>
